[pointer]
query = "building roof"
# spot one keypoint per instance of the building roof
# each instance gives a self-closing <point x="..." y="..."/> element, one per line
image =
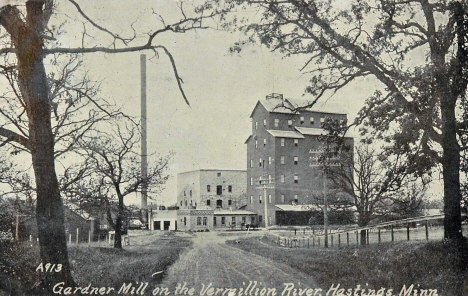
<point x="288" y="106"/>
<point x="310" y="131"/>
<point x="213" y="170"/>
<point x="80" y="212"/>
<point x="233" y="212"/>
<point x="285" y="134"/>
<point x="298" y="208"/>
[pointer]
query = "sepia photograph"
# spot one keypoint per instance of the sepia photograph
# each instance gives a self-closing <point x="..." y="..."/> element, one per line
<point x="234" y="147"/>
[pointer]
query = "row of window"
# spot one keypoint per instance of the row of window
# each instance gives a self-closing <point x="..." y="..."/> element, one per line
<point x="282" y="142"/>
<point x="271" y="181"/>
<point x="282" y="198"/>
<point x="261" y="162"/>
<point x="219" y="189"/>
<point x="290" y="121"/>
<point x="204" y="220"/>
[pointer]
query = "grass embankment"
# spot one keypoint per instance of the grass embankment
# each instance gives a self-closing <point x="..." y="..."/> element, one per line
<point x="97" y="266"/>
<point x="427" y="265"/>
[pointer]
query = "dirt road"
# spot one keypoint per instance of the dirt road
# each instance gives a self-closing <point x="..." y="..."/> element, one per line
<point x="212" y="263"/>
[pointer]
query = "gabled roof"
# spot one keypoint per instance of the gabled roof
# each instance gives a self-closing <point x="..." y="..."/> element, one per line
<point x="80" y="212"/>
<point x="287" y="106"/>
<point x="285" y="134"/>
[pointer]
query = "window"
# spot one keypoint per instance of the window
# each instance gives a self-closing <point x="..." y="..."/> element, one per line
<point x="260" y="163"/>
<point x="269" y="198"/>
<point x="322" y="121"/>
<point x="219" y="203"/>
<point x="302" y="119"/>
<point x="219" y="190"/>
<point x="259" y="199"/>
<point x="208" y="188"/>
<point x="296" y="179"/>
<point x="243" y="219"/>
<point x="181" y="203"/>
<point x="190" y="192"/>
<point x="229" y="202"/>
<point x="289" y="122"/>
<point x="198" y="220"/>
<point x="219" y="174"/>
<point x="185" y="220"/>
<point x="214" y="221"/>
<point x="269" y="159"/>
<point x="264" y="122"/>
<point x="296" y="160"/>
<point x="311" y="120"/>
<point x="230" y="188"/>
<point x="252" y="219"/>
<point x="264" y="142"/>
<point x="256" y="144"/>
<point x="205" y="220"/>
<point x="269" y="220"/>
<point x="296" y="142"/>
<point x="260" y="218"/>
<point x="282" y="142"/>
<point x="276" y="122"/>
<point x="233" y="219"/>
<point x="251" y="199"/>
<point x="282" y="178"/>
<point x="185" y="193"/>
<point x="208" y="202"/>
<point x="223" y="220"/>
<point x="282" y="198"/>
<point x="256" y="125"/>
<point x="296" y="199"/>
<point x="251" y="163"/>
<point x="282" y="159"/>
<point x="251" y="181"/>
<point x="185" y="202"/>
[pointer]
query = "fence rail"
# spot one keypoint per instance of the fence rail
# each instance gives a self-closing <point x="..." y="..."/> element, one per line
<point x="389" y="231"/>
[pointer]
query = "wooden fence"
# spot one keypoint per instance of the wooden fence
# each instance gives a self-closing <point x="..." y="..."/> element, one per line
<point x="393" y="230"/>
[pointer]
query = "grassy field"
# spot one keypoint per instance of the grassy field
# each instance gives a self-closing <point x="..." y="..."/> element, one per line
<point x="427" y="265"/>
<point x="102" y="266"/>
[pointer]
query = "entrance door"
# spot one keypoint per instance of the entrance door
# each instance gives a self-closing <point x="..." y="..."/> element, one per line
<point x="157" y="225"/>
<point x="167" y="224"/>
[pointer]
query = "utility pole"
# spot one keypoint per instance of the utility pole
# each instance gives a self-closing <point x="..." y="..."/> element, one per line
<point x="325" y="207"/>
<point x="266" y="184"/>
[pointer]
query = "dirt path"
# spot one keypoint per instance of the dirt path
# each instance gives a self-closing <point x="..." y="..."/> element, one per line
<point x="211" y="261"/>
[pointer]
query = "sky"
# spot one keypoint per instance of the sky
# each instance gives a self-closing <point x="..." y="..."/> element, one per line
<point x="222" y="87"/>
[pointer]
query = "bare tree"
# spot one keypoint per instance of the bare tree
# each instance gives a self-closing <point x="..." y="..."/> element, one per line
<point x="29" y="39"/>
<point x="115" y="168"/>
<point x="378" y="187"/>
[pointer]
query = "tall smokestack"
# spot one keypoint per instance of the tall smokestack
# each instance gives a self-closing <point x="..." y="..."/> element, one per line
<point x="144" y="152"/>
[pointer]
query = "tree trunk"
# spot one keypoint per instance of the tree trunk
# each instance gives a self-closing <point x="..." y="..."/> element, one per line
<point x="32" y="82"/>
<point x="451" y="170"/>
<point x="119" y="222"/>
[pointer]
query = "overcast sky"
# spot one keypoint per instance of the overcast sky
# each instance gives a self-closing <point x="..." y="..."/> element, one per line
<point x="222" y="87"/>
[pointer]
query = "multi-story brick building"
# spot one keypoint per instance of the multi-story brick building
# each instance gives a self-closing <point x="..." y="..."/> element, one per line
<point x="211" y="199"/>
<point x="283" y="151"/>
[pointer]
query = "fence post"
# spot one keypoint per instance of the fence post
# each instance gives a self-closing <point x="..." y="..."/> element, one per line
<point x="308" y="243"/>
<point x="407" y="231"/>
<point x="367" y="236"/>
<point x="339" y="240"/>
<point x="77" y="235"/>
<point x="331" y="236"/>
<point x="380" y="240"/>
<point x="357" y="237"/>
<point x="347" y="238"/>
<point x="89" y="238"/>
<point x="427" y="231"/>
<point x="313" y="242"/>
<point x="393" y="235"/>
